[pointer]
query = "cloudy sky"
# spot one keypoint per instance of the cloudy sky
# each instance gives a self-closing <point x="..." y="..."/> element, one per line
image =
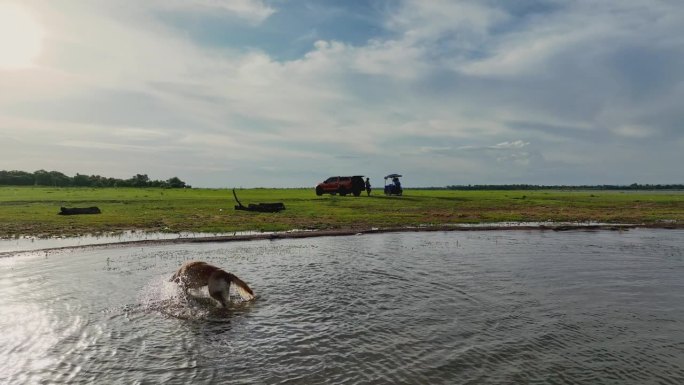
<point x="225" y="93"/>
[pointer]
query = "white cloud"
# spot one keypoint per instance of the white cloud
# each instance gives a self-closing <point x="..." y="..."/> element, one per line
<point x="509" y="145"/>
<point x="633" y="131"/>
<point x="514" y="145"/>
<point x="525" y="54"/>
<point x="580" y="30"/>
<point x="448" y="78"/>
<point x="253" y="11"/>
<point x="419" y="20"/>
<point x="94" y="145"/>
<point x="141" y="134"/>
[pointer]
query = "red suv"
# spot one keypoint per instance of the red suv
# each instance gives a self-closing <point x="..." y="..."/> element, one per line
<point x="342" y="185"/>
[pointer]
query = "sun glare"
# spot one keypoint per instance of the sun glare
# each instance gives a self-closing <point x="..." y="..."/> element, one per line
<point x="21" y="37"/>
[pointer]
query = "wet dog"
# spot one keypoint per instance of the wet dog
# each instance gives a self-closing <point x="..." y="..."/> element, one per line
<point x="196" y="274"/>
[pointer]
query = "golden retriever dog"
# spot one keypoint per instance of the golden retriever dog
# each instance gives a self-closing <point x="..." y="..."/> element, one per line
<point x="196" y="274"/>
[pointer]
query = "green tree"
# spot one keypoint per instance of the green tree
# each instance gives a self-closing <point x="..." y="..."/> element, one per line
<point x="81" y="180"/>
<point x="59" y="179"/>
<point x="175" y="183"/>
<point x="140" y="180"/>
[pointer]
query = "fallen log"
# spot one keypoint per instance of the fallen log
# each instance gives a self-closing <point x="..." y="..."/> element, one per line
<point x="263" y="207"/>
<point x="259" y="207"/>
<point x="79" y="210"/>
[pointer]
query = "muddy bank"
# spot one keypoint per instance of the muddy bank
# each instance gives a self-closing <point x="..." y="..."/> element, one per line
<point x="252" y="236"/>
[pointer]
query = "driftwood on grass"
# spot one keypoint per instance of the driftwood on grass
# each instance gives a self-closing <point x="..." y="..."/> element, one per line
<point x="260" y="207"/>
<point x="79" y="210"/>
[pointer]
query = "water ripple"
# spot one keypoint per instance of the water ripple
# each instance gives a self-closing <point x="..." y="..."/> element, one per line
<point x="437" y="308"/>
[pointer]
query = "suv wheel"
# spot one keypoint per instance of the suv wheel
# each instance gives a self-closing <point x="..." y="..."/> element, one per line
<point x="319" y="191"/>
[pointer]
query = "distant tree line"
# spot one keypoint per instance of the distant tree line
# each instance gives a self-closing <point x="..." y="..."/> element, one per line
<point x="57" y="179"/>
<point x="633" y="186"/>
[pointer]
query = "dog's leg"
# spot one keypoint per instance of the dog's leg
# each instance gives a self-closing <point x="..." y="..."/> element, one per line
<point x="218" y="287"/>
<point x="221" y="297"/>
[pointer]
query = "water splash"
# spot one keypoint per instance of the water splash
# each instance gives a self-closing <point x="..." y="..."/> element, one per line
<point x="160" y="295"/>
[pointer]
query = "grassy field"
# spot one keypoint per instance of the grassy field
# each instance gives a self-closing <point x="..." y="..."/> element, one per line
<point x="33" y="210"/>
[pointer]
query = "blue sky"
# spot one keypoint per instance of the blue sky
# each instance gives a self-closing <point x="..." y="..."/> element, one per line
<point x="286" y="93"/>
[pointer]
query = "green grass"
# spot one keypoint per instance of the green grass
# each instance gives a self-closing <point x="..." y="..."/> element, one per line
<point x="33" y="210"/>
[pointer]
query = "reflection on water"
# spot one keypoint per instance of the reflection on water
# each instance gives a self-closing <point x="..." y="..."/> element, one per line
<point x="29" y="243"/>
<point x="439" y="308"/>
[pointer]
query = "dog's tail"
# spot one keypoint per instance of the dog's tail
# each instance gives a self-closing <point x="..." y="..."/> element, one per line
<point x="245" y="292"/>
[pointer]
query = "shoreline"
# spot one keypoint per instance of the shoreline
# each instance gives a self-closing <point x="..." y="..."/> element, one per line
<point x="29" y="212"/>
<point x="351" y="231"/>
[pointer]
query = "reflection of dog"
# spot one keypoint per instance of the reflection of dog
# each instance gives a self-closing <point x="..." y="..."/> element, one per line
<point x="196" y="274"/>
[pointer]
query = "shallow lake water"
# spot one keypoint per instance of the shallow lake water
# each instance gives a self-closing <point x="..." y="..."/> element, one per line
<point x="474" y="307"/>
<point x="28" y="243"/>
